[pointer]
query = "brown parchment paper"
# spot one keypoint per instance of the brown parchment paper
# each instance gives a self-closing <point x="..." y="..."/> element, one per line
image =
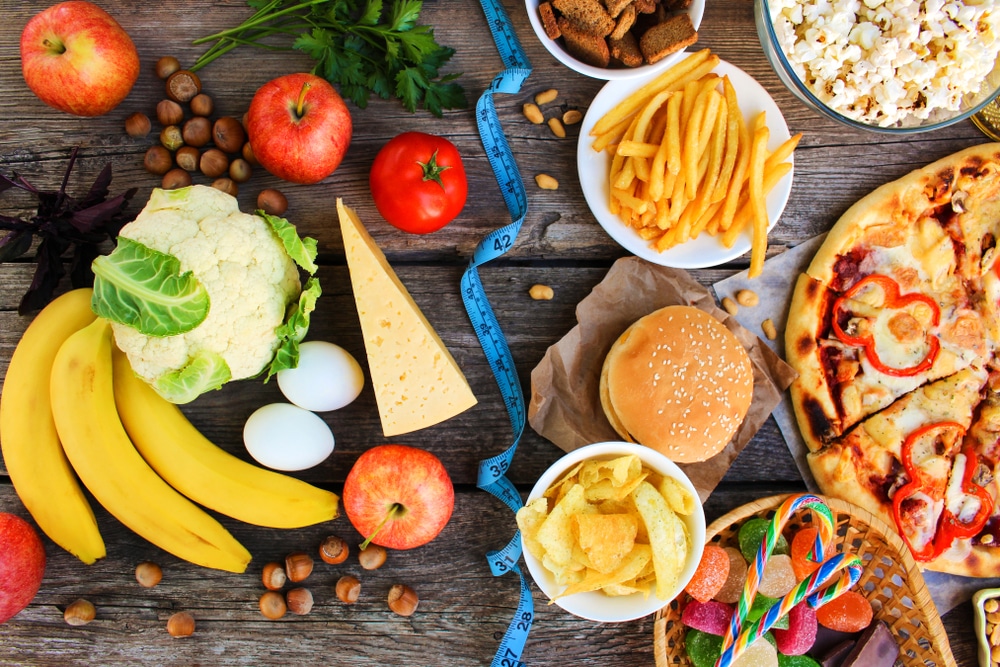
<point x="565" y="405"/>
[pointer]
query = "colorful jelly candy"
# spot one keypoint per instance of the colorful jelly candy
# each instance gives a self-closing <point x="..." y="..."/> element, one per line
<point x="709" y="616"/>
<point x="733" y="588"/>
<point x="759" y="607"/>
<point x="796" y="661"/>
<point x="758" y="654"/>
<point x="802" y="542"/>
<point x="801" y="633"/>
<point x="778" y="577"/>
<point x="711" y="574"/>
<point x="703" y="649"/>
<point x="752" y="534"/>
<point x="851" y="612"/>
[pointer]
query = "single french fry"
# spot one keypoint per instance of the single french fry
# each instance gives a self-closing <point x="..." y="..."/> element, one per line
<point x="755" y="184"/>
<point x="612" y="136"/>
<point x="625" y="176"/>
<point x="630" y="148"/>
<point x="739" y="176"/>
<point x="689" y="149"/>
<point x="667" y="240"/>
<point x="669" y="80"/>
<point x="734" y="117"/>
<point x="673" y="138"/>
<point x="781" y="153"/>
<point x="743" y="210"/>
<point x="646" y="115"/>
<point x="716" y="149"/>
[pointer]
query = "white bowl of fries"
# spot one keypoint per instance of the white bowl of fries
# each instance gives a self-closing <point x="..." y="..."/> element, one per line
<point x="612" y="531"/>
<point x="638" y="155"/>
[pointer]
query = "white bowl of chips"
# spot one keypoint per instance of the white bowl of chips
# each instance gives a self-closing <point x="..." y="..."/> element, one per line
<point x="612" y="531"/>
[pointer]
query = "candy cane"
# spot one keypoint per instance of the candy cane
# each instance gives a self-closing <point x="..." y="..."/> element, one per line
<point x="735" y="641"/>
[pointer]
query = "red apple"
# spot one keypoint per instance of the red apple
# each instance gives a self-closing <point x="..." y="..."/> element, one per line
<point x="77" y="58"/>
<point x="22" y="564"/>
<point x="398" y="496"/>
<point x="299" y="127"/>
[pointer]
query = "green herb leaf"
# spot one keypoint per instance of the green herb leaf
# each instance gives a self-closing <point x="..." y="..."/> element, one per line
<point x="355" y="47"/>
<point x="145" y="289"/>
<point x="206" y="371"/>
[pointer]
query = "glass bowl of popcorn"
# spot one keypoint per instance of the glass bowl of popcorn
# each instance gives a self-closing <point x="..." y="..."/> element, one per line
<point x="892" y="66"/>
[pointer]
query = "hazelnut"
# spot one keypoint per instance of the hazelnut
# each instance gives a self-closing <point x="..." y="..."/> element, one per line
<point x="175" y="178"/>
<point x="180" y="624"/>
<point x="171" y="137"/>
<point x="299" y="601"/>
<point x="213" y="163"/>
<point x="227" y="185"/>
<point x="228" y="135"/>
<point x="169" y="112"/>
<point x="80" y="612"/>
<point x="202" y="105"/>
<point x="272" y="202"/>
<point x="166" y="66"/>
<point x="372" y="557"/>
<point x="137" y="125"/>
<point x="148" y="574"/>
<point x="157" y="160"/>
<point x="187" y="158"/>
<point x="348" y="589"/>
<point x="273" y="576"/>
<point x="248" y="155"/>
<point x="197" y="131"/>
<point x="183" y="85"/>
<point x="240" y="170"/>
<point x="272" y="605"/>
<point x="298" y="566"/>
<point x="403" y="600"/>
<point x="334" y="550"/>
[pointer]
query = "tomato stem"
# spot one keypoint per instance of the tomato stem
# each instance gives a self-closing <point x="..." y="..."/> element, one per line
<point x="396" y="509"/>
<point x="433" y="170"/>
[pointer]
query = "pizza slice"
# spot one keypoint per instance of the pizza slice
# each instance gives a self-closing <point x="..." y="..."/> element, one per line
<point x="924" y="465"/>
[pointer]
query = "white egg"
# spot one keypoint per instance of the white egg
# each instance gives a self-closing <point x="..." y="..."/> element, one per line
<point x="286" y="437"/>
<point x="327" y="377"/>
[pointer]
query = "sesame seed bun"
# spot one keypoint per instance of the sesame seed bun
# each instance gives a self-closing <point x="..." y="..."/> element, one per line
<point x="677" y="381"/>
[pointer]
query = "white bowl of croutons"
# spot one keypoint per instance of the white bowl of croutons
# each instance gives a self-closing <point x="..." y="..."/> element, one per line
<point x="616" y="39"/>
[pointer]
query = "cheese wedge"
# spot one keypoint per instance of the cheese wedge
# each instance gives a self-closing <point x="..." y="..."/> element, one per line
<point x="417" y="382"/>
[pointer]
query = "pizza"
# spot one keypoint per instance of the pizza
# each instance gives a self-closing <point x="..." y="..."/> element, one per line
<point x="894" y="330"/>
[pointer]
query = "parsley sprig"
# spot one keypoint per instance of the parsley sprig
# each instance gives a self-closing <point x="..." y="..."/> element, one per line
<point x="357" y="45"/>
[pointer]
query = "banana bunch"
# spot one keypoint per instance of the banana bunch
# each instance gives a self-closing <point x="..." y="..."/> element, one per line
<point x="72" y="407"/>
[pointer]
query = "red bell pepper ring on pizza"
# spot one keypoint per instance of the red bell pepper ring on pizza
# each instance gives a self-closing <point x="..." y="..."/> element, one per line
<point x="892" y="299"/>
<point x="949" y="526"/>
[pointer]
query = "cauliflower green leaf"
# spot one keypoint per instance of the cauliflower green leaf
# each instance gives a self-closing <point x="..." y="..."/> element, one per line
<point x="204" y="372"/>
<point x="301" y="250"/>
<point x="291" y="333"/>
<point x="145" y="289"/>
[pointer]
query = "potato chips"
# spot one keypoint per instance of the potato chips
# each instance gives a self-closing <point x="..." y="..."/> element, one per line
<point x="610" y="525"/>
<point x="684" y="161"/>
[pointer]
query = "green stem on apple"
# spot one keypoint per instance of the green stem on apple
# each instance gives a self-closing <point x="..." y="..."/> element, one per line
<point x="395" y="510"/>
<point x="302" y="99"/>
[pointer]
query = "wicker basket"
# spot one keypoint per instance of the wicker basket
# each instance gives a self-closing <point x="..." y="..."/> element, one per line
<point x="891" y="581"/>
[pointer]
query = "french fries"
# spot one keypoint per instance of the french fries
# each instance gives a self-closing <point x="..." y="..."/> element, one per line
<point x="685" y="161"/>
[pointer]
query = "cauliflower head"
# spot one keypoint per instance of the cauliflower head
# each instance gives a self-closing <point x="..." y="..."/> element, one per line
<point x="200" y="293"/>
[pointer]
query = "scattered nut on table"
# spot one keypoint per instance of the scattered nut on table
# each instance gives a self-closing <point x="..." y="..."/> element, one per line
<point x="747" y="297"/>
<point x="572" y="117"/>
<point x="769" y="329"/>
<point x="557" y="127"/>
<point x="546" y="96"/>
<point x="180" y="624"/>
<point x="730" y="305"/>
<point x="541" y="292"/>
<point x="80" y="612"/>
<point x="148" y="574"/>
<point x="546" y="182"/>
<point x="533" y="113"/>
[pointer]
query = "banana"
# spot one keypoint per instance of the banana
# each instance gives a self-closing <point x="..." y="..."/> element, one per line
<point x="204" y="472"/>
<point x="92" y="435"/>
<point x="35" y="461"/>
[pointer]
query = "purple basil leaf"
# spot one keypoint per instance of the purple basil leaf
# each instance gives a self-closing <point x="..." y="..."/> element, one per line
<point x="100" y="189"/>
<point x="80" y="273"/>
<point x="99" y="214"/>
<point x="14" y="244"/>
<point x="48" y="273"/>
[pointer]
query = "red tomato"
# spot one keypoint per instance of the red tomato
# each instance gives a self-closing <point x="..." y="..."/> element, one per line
<point x="418" y="182"/>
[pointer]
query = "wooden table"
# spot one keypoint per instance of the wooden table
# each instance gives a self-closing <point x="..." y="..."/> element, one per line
<point x="463" y="610"/>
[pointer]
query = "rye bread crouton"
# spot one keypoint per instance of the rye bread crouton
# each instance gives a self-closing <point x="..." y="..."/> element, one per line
<point x="584" y="46"/>
<point x="645" y="6"/>
<point x="548" y="18"/>
<point x="626" y="50"/>
<point x="625" y="22"/>
<point x="615" y="7"/>
<point x="672" y="35"/>
<point x="587" y="16"/>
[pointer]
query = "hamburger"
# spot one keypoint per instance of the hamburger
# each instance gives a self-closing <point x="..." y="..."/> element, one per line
<point x="679" y="382"/>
